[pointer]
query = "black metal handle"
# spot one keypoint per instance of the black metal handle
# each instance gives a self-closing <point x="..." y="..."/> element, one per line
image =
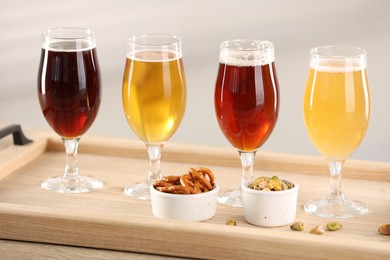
<point x="16" y="131"/>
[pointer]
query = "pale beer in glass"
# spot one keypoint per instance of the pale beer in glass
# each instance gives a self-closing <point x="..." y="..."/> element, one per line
<point x="336" y="111"/>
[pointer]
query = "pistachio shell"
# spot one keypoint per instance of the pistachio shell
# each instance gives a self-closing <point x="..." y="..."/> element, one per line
<point x="276" y="184"/>
<point x="333" y="226"/>
<point x="297" y="226"/>
<point x="270" y="184"/>
<point x="384" y="229"/>
<point x="318" y="230"/>
<point x="231" y="222"/>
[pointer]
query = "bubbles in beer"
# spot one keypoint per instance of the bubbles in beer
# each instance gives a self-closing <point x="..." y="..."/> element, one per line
<point x="154" y="55"/>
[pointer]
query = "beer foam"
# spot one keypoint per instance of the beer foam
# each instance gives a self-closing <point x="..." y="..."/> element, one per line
<point x="69" y="45"/>
<point x="245" y="53"/>
<point x="338" y="65"/>
<point x="338" y="58"/>
<point x="154" y="55"/>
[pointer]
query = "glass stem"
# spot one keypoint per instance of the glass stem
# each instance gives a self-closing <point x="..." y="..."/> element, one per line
<point x="154" y="172"/>
<point x="71" y="169"/>
<point x="247" y="159"/>
<point x="335" y="193"/>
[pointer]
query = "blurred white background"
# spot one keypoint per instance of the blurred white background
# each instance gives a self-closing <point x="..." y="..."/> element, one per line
<point x="294" y="26"/>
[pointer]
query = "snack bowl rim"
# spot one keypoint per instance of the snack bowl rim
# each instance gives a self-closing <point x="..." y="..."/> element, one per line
<point x="245" y="186"/>
<point x="184" y="196"/>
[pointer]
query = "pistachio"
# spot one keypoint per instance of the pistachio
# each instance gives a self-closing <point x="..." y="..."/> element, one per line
<point x="297" y="226"/>
<point x="318" y="230"/>
<point x="384" y="229"/>
<point x="270" y="184"/>
<point x="264" y="185"/>
<point x="333" y="226"/>
<point x="231" y="222"/>
<point x="289" y="184"/>
<point x="276" y="184"/>
<point x="255" y="183"/>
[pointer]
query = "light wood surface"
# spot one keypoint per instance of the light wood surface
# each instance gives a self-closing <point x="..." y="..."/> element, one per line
<point x="107" y="219"/>
<point x="20" y="250"/>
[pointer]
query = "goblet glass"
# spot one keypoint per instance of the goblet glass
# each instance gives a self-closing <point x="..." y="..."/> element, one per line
<point x="246" y="102"/>
<point x="154" y="97"/>
<point x="336" y="111"/>
<point x="69" y="95"/>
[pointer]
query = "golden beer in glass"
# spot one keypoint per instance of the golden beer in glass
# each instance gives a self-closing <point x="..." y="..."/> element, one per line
<point x="154" y="94"/>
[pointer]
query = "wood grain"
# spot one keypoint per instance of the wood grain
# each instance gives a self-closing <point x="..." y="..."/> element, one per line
<point x="21" y="250"/>
<point x="107" y="219"/>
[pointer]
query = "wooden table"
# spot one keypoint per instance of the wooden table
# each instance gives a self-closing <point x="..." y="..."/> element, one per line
<point x="108" y="223"/>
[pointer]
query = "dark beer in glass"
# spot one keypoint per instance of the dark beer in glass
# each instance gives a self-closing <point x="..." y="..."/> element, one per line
<point x="69" y="95"/>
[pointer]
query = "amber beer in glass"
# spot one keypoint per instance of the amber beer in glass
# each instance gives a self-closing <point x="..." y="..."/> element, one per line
<point x="69" y="95"/>
<point x="246" y="101"/>
<point x="154" y="97"/>
<point x="336" y="111"/>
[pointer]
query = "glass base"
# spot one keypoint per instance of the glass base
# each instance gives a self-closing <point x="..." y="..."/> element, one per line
<point x="344" y="209"/>
<point x="231" y="198"/>
<point x="140" y="191"/>
<point x="74" y="185"/>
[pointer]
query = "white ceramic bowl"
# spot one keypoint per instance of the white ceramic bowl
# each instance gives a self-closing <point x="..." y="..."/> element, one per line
<point x="269" y="208"/>
<point x="193" y="207"/>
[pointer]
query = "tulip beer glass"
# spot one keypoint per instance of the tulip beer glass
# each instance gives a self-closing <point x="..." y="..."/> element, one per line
<point x="246" y="102"/>
<point x="69" y="95"/>
<point x="336" y="110"/>
<point x="154" y="97"/>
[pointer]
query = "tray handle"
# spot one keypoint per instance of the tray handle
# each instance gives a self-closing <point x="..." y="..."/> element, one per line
<point x="17" y="133"/>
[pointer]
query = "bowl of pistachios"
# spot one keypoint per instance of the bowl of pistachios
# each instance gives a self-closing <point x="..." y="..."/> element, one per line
<point x="270" y="201"/>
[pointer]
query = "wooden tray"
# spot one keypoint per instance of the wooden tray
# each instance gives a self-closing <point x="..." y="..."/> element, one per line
<point x="110" y="220"/>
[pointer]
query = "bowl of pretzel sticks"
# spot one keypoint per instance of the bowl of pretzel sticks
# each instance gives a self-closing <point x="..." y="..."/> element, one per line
<point x="191" y="196"/>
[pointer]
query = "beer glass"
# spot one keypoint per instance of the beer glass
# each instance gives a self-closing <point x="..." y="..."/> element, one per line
<point x="246" y="102"/>
<point x="336" y="111"/>
<point x="154" y="97"/>
<point x="69" y="95"/>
